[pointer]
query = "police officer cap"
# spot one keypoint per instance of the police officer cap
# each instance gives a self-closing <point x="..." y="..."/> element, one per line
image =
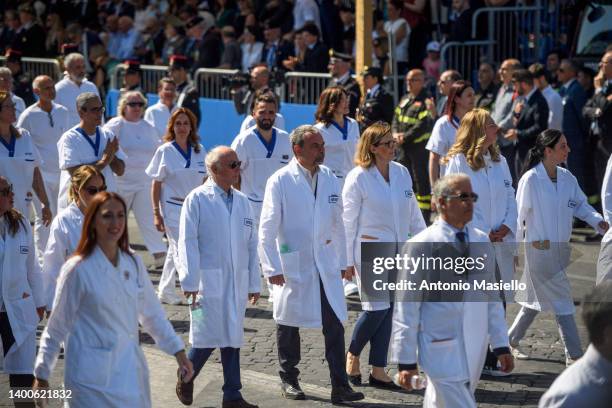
<point x="335" y="55"/>
<point x="69" y="48"/>
<point x="26" y="8"/>
<point x="13" y="55"/>
<point x="132" y="67"/>
<point x="373" y="71"/>
<point x="179" y="61"/>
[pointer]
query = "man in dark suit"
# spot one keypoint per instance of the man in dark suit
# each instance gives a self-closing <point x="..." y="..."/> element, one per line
<point x="276" y="50"/>
<point x="530" y="116"/>
<point x="573" y="125"/>
<point x="316" y="57"/>
<point x="30" y="38"/>
<point x="378" y="103"/>
<point x="340" y="70"/>
<point x="188" y="96"/>
<point x="22" y="81"/>
<point x="207" y="46"/>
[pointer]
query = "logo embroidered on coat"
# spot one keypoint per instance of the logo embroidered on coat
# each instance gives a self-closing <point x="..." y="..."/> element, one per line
<point x="332" y="199"/>
<point x="248" y="222"/>
<point x="24" y="249"/>
<point x="572" y="204"/>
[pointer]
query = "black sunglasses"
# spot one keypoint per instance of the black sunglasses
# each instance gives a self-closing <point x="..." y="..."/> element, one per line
<point x="235" y="164"/>
<point x="135" y="104"/>
<point x="464" y="196"/>
<point x="95" y="190"/>
<point x="7" y="191"/>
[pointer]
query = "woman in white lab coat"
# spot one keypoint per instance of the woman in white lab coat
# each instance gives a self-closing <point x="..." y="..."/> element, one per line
<point x="548" y="198"/>
<point x="139" y="140"/>
<point x="476" y="154"/>
<point x="65" y="232"/>
<point x="22" y="295"/>
<point x="19" y="161"/>
<point x="339" y="132"/>
<point x="461" y="100"/>
<point x="176" y="168"/>
<point x="103" y="294"/>
<point x="379" y="206"/>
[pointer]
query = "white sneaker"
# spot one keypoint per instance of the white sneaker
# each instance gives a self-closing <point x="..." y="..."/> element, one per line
<point x="494" y="372"/>
<point x="170" y="300"/>
<point x="519" y="353"/>
<point x="569" y="361"/>
<point x="350" y="288"/>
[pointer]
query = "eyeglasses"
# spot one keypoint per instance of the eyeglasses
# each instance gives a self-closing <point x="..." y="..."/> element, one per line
<point x="7" y="191"/>
<point x="50" y="119"/>
<point x="464" y="197"/>
<point x="135" y="104"/>
<point x="95" y="190"/>
<point x="415" y="79"/>
<point x="235" y="164"/>
<point x="389" y="144"/>
<point x="96" y="109"/>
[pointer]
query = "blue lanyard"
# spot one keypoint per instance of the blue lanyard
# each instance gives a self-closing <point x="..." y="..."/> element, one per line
<point x="186" y="156"/>
<point x="94" y="146"/>
<point x="455" y="122"/>
<point x="10" y="146"/>
<point x="269" y="146"/>
<point x="343" y="130"/>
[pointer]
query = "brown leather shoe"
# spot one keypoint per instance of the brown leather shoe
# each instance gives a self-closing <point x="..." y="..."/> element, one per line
<point x="241" y="403"/>
<point x="184" y="391"/>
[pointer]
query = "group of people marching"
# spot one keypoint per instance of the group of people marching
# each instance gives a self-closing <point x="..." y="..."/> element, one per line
<point x="293" y="208"/>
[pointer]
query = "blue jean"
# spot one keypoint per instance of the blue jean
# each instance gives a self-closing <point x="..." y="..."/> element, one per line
<point x="230" y="359"/>
<point x="374" y="327"/>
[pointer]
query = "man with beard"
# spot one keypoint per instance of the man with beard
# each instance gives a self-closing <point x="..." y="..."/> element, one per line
<point x="262" y="149"/>
<point x="73" y="84"/>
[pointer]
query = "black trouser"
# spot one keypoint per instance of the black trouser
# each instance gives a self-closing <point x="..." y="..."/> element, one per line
<point x="491" y="359"/>
<point x="416" y="159"/>
<point x="15" y="380"/>
<point x="288" y="341"/>
<point x="509" y="152"/>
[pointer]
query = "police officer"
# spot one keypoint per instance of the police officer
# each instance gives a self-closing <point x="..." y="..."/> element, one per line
<point x="22" y="82"/>
<point x="188" y="96"/>
<point x="378" y="103"/>
<point x="132" y="77"/>
<point x="412" y="124"/>
<point x="340" y="70"/>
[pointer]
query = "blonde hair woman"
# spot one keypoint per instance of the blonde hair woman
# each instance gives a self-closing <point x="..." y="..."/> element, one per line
<point x="139" y="140"/>
<point x="476" y="154"/>
<point x="379" y="206"/>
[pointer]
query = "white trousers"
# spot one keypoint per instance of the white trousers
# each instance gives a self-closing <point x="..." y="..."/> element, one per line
<point x="41" y="233"/>
<point x="140" y="203"/>
<point x="167" y="282"/>
<point x="448" y="394"/>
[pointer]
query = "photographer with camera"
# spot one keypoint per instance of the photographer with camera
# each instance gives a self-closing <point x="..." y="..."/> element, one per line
<point x="244" y="93"/>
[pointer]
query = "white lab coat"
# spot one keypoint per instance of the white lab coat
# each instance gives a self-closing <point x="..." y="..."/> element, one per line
<point x="66" y="94"/>
<point x="22" y="293"/>
<point x="158" y="115"/>
<point x="169" y="167"/>
<point x="19" y="170"/>
<point x="96" y="314"/>
<point x="546" y="212"/>
<point x="20" y="105"/>
<point x="448" y="339"/>
<point x="64" y="236"/>
<point x="377" y="211"/>
<point x="496" y="206"/>
<point x="442" y="138"/>
<point x="74" y="151"/>
<point x="340" y="151"/>
<point x="302" y="237"/>
<point x="257" y="167"/>
<point x="224" y="270"/>
<point x="604" y="262"/>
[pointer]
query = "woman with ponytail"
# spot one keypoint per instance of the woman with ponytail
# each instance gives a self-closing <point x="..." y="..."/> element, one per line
<point x="548" y="198"/>
<point x="22" y="292"/>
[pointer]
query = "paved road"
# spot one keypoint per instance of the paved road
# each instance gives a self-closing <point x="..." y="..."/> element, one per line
<point x="259" y="362"/>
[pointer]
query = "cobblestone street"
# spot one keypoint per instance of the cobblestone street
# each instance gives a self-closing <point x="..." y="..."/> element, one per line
<point x="260" y="380"/>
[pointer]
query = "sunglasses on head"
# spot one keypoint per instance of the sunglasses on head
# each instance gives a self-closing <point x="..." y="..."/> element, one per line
<point x="7" y="191"/>
<point x="95" y="190"/>
<point x="135" y="104"/>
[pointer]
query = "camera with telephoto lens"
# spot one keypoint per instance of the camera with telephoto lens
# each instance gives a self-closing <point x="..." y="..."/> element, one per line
<point x="237" y="80"/>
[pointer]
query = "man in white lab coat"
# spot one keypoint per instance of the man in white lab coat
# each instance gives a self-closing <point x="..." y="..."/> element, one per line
<point x="218" y="275"/>
<point x="72" y="85"/>
<point x="588" y="382"/>
<point x="449" y="337"/>
<point x="302" y="252"/>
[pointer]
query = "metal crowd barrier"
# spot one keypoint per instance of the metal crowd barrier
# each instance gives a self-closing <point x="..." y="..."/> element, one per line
<point x="465" y="57"/>
<point x="151" y="74"/>
<point x="515" y="31"/>
<point x="304" y="87"/>
<point x="210" y="84"/>
<point x="39" y="66"/>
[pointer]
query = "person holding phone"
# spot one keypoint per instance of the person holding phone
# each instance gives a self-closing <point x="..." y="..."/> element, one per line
<point x="88" y="143"/>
